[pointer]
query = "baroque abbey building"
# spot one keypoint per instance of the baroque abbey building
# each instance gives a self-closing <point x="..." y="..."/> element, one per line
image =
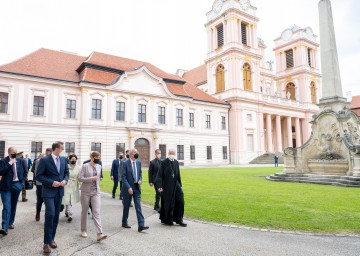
<point x="231" y="109"/>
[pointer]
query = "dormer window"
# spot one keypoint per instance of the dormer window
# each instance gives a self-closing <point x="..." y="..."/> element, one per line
<point x="220" y="35"/>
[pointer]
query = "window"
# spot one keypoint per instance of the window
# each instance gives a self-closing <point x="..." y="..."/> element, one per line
<point x="36" y="149"/>
<point x="2" y="149"/>
<point x="70" y="108"/>
<point x="290" y="91"/>
<point x="250" y="142"/>
<point x="96" y="109"/>
<point x="208" y="153"/>
<point x="289" y="58"/>
<point x="243" y="34"/>
<point x="223" y="122"/>
<point x="120" y="147"/>
<point x="224" y="152"/>
<point x="220" y="35"/>
<point x="96" y="147"/>
<point x="208" y="121"/>
<point x="220" y="78"/>
<point x="161" y="115"/>
<point x="180" y="152"/>
<point x="162" y="147"/>
<point x="141" y="113"/>
<point x="38" y="106"/>
<point x="309" y="56"/>
<point x="249" y="118"/>
<point x="247" y="77"/>
<point x="120" y="111"/>
<point x="179" y="116"/>
<point x="4" y="98"/>
<point x="192" y="152"/>
<point x="70" y="147"/>
<point x="191" y="120"/>
<point x="313" y="93"/>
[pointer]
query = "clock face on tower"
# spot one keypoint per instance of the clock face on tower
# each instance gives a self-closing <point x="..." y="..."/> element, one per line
<point x="245" y="4"/>
<point x="217" y="6"/>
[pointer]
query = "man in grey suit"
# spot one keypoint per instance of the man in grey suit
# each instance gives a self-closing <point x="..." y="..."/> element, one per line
<point x="53" y="173"/>
<point x="131" y="181"/>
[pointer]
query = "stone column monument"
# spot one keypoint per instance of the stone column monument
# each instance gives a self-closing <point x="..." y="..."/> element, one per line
<point x="332" y="154"/>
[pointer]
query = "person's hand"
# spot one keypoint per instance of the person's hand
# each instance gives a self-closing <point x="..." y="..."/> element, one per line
<point x="56" y="184"/>
<point x="160" y="190"/>
<point x="130" y="191"/>
<point x="12" y="161"/>
<point x="151" y="184"/>
<point x="94" y="178"/>
<point x="112" y="177"/>
<point x="63" y="183"/>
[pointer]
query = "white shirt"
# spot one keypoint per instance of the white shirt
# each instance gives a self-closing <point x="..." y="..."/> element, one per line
<point x="16" y="176"/>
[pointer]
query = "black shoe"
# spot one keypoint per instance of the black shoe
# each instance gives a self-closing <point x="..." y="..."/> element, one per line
<point x="181" y="223"/>
<point x="141" y="228"/>
<point x="70" y="219"/>
<point x="125" y="226"/>
<point x="113" y="195"/>
<point x="168" y="223"/>
<point x="157" y="209"/>
<point x="3" y="232"/>
<point x="11" y="226"/>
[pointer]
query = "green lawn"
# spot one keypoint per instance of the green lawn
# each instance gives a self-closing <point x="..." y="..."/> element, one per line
<point x="242" y="196"/>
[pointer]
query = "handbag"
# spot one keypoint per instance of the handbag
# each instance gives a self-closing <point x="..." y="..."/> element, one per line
<point x="29" y="184"/>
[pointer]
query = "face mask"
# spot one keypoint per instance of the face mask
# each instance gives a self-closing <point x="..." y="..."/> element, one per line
<point x="73" y="162"/>
<point x="121" y="157"/>
<point x="96" y="161"/>
<point x="13" y="155"/>
<point x="158" y="156"/>
<point x="127" y="156"/>
<point x="171" y="157"/>
<point x="136" y="156"/>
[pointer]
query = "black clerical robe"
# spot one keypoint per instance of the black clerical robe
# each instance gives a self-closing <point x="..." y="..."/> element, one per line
<point x="172" y="197"/>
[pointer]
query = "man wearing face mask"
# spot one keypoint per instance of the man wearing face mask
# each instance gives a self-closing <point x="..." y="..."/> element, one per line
<point x="169" y="184"/>
<point x="14" y="173"/>
<point x="132" y="179"/>
<point x="115" y="173"/>
<point x="153" y="171"/>
<point x="53" y="173"/>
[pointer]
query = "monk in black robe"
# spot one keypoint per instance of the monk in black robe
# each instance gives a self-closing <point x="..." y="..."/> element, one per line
<point x="168" y="183"/>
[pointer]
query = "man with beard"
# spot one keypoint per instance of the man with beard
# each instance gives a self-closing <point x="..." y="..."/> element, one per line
<point x="172" y="198"/>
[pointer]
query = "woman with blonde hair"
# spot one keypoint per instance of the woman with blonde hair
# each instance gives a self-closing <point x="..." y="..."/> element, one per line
<point x="90" y="193"/>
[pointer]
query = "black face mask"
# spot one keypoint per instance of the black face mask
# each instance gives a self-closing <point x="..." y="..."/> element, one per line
<point x="96" y="161"/>
<point x="13" y="155"/>
<point x="73" y="162"/>
<point x="127" y="156"/>
<point x="136" y="156"/>
<point x="121" y="157"/>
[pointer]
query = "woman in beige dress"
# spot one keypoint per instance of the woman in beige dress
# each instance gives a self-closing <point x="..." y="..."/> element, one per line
<point x="71" y="190"/>
<point x="90" y="193"/>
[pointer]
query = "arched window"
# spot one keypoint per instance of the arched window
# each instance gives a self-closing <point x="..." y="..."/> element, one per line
<point x="247" y="77"/>
<point x="313" y="93"/>
<point x="290" y="91"/>
<point x="220" y="78"/>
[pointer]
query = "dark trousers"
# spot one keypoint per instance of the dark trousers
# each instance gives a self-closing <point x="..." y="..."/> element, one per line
<point x="276" y="164"/>
<point x="39" y="199"/>
<point x="179" y="202"/>
<point x="52" y="212"/>
<point x="9" y="200"/>
<point x="157" y="198"/>
<point x="116" y="183"/>
<point x="137" y="200"/>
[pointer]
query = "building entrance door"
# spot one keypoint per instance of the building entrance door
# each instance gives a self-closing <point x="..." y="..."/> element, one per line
<point x="143" y="147"/>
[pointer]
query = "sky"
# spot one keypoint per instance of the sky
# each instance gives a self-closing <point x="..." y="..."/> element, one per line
<point x="168" y="33"/>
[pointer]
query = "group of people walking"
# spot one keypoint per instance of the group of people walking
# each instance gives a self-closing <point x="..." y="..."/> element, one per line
<point x="59" y="179"/>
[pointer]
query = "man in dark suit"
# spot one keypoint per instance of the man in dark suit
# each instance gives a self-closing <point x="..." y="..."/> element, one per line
<point x="115" y="173"/>
<point x="14" y="173"/>
<point x="53" y="173"/>
<point x="153" y="171"/>
<point x="131" y="181"/>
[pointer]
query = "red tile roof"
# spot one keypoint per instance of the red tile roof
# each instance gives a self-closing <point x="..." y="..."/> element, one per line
<point x="101" y="68"/>
<point x="355" y="104"/>
<point x="197" y="75"/>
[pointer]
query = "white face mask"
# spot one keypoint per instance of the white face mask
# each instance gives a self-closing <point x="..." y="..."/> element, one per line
<point x="158" y="155"/>
<point x="171" y="157"/>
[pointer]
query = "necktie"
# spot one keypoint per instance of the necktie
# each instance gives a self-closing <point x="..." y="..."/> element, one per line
<point x="58" y="164"/>
<point x="14" y="171"/>
<point x="134" y="172"/>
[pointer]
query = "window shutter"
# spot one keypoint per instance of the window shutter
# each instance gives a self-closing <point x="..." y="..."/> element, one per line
<point x="220" y="34"/>
<point x="289" y="58"/>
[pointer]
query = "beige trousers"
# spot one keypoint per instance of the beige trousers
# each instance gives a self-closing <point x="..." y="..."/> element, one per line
<point x="95" y="201"/>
